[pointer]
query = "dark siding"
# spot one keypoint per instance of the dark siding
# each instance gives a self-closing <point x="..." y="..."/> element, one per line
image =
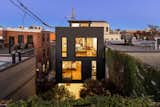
<point x="86" y="70"/>
<point x="71" y="34"/>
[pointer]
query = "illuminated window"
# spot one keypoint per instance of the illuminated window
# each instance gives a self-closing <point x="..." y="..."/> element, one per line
<point x="94" y="69"/>
<point x="86" y="47"/>
<point x="80" y="25"/>
<point x="64" y="47"/>
<point x="75" y="25"/>
<point x="71" y="70"/>
<point x="84" y="24"/>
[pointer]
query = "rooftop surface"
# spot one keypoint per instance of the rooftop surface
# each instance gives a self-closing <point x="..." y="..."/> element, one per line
<point x="124" y="48"/>
<point x="147" y="55"/>
<point x="75" y="21"/>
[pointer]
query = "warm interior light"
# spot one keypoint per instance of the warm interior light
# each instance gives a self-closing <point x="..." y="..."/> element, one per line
<point x="64" y="47"/>
<point x="86" y="47"/>
<point x="94" y="70"/>
<point x="73" y="88"/>
<point x="75" y="24"/>
<point x="71" y="70"/>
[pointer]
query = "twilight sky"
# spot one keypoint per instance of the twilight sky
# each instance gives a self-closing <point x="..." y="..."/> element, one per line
<point x="123" y="14"/>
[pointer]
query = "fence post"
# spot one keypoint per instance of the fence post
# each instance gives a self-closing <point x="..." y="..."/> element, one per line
<point x="19" y="55"/>
<point x="13" y="57"/>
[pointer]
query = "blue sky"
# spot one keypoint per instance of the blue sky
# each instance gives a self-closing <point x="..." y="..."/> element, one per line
<point x="123" y="14"/>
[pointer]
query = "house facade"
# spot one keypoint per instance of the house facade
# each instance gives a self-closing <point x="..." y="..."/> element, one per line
<point x="79" y="53"/>
<point x="24" y="36"/>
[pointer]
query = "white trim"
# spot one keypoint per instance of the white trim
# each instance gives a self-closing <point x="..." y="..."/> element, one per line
<point x="23" y="30"/>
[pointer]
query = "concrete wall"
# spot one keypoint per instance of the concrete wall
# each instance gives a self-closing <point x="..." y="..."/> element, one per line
<point x="151" y="58"/>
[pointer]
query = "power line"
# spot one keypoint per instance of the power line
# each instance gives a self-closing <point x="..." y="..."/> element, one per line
<point x="21" y="9"/>
<point x="22" y="5"/>
<point x="23" y="19"/>
<point x="30" y="13"/>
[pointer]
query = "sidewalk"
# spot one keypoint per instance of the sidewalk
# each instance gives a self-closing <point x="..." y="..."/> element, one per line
<point x="5" y="51"/>
<point x="6" y="62"/>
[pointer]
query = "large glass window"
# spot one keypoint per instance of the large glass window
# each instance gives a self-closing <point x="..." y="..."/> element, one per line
<point x="64" y="46"/>
<point x="80" y="24"/>
<point x="71" y="70"/>
<point x="86" y="47"/>
<point x="75" y="25"/>
<point x="94" y="69"/>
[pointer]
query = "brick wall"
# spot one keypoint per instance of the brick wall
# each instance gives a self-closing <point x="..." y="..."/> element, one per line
<point x="25" y="34"/>
<point x="41" y="42"/>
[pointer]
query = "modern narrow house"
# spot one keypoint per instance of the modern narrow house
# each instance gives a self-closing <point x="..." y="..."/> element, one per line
<point x="79" y="52"/>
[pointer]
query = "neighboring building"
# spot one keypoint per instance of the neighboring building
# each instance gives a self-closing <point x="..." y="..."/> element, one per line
<point x="24" y="36"/>
<point x="1" y="38"/>
<point x="113" y="37"/>
<point x="157" y="43"/>
<point x="43" y="56"/>
<point x="140" y="34"/>
<point x="79" y="52"/>
<point x="108" y="36"/>
<point x="52" y="37"/>
<point x="31" y="37"/>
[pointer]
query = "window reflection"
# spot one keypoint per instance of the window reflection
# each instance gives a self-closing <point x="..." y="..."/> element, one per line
<point x="86" y="47"/>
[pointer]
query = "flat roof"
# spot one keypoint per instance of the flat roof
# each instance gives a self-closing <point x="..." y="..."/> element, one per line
<point x="82" y="21"/>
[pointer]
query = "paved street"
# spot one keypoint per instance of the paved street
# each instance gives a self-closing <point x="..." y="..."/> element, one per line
<point x="27" y="90"/>
<point x="16" y="77"/>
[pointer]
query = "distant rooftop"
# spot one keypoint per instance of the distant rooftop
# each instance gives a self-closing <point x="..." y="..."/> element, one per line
<point x="24" y="29"/>
<point x="77" y="21"/>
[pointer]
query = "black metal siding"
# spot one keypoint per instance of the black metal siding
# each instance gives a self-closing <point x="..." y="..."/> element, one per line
<point x="71" y="33"/>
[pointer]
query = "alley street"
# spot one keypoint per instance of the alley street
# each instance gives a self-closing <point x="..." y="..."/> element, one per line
<point x="18" y="78"/>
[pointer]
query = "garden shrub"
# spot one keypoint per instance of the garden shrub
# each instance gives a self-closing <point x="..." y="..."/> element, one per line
<point x="132" y="76"/>
<point x="57" y="93"/>
<point x="92" y="101"/>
